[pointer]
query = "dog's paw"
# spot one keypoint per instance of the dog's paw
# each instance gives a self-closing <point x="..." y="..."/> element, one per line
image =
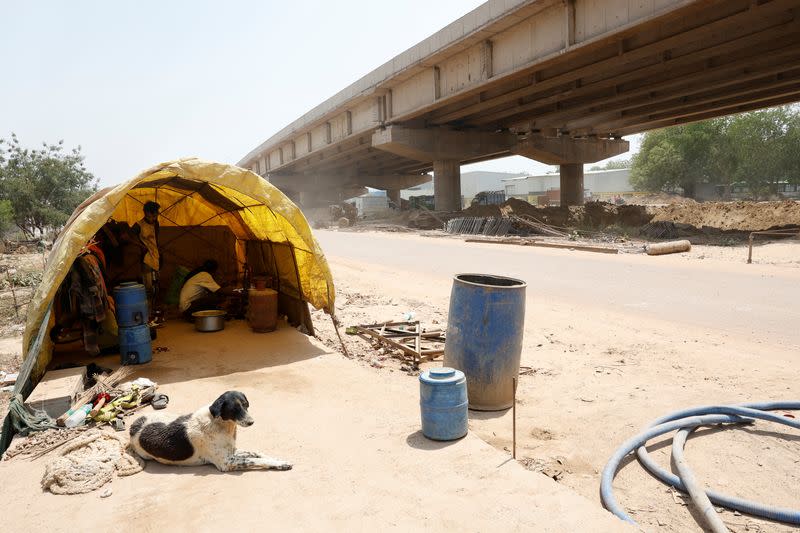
<point x="283" y="466"/>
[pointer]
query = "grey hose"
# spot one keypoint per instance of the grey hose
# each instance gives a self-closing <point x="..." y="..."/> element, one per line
<point x="691" y="418"/>
<point x="696" y="491"/>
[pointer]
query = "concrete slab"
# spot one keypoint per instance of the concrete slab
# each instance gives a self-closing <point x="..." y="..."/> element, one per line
<point x="352" y="433"/>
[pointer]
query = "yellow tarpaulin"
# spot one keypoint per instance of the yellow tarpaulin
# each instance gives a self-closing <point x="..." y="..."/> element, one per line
<point x="191" y="192"/>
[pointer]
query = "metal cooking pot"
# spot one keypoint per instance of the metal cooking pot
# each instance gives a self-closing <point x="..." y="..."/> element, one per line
<point x="207" y="321"/>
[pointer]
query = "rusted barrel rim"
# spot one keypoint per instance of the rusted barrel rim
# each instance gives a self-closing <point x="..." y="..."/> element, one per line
<point x="490" y="280"/>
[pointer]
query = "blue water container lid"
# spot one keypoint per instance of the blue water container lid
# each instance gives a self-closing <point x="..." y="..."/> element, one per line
<point x="441" y="376"/>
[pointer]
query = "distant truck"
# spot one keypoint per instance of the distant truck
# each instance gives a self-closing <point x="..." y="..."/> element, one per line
<point x="489" y="198"/>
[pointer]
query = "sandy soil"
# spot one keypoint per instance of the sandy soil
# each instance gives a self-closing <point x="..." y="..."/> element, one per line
<point x="352" y="433"/>
<point x="741" y="216"/>
<point x="15" y="269"/>
<point x="595" y="375"/>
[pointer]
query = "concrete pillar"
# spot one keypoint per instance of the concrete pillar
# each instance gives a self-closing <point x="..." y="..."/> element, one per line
<point x="447" y="185"/>
<point x="394" y="196"/>
<point x="571" y="184"/>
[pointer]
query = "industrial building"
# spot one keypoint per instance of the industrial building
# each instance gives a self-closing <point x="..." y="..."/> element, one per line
<point x="471" y="184"/>
<point x="602" y="185"/>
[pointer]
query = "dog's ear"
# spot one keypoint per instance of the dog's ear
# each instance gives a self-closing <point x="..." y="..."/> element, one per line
<point x="216" y="407"/>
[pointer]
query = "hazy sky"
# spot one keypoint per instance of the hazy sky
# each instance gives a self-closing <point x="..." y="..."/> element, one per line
<point x="137" y="83"/>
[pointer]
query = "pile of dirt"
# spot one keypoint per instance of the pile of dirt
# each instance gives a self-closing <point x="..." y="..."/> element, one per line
<point x="592" y="215"/>
<point x="731" y="216"/>
<point x="688" y="214"/>
<point x="657" y="198"/>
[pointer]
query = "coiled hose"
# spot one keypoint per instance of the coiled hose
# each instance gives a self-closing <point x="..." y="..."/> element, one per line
<point x="686" y="421"/>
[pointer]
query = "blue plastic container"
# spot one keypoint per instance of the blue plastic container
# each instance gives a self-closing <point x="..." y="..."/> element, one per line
<point x="443" y="403"/>
<point x="134" y="345"/>
<point x="484" y="337"/>
<point x="131" y="301"/>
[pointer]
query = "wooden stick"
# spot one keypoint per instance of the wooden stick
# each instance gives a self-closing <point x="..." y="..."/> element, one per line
<point x="336" y="328"/>
<point x="514" y="418"/>
<point x="13" y="295"/>
<point x="96" y="408"/>
<point x="417" y="343"/>
<point x="564" y="246"/>
<point x="405" y="349"/>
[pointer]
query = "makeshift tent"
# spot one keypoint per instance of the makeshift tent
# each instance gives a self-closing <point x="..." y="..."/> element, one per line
<point x="198" y="199"/>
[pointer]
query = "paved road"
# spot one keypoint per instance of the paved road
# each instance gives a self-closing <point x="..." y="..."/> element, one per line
<point x="760" y="301"/>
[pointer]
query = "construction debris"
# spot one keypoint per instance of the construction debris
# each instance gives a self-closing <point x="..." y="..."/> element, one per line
<point x="414" y="342"/>
<point x="563" y="246"/>
<point x="663" y="229"/>
<point x="8" y="378"/>
<point x="782" y="233"/>
<point x="479" y="225"/>
<point x="672" y="247"/>
<point x="537" y="226"/>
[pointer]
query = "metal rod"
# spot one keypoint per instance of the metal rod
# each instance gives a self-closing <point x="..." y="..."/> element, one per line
<point x="776" y="233"/>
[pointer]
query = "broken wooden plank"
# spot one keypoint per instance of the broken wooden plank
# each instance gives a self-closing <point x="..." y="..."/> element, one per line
<point x="519" y="242"/>
<point x="562" y="246"/>
<point x="580" y="247"/>
<point x="390" y="342"/>
<point x="414" y="344"/>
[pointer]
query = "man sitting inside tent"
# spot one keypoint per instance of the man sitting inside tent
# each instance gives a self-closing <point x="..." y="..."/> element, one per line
<point x="200" y="292"/>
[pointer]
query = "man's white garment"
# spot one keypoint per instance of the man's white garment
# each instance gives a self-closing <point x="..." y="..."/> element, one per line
<point x="195" y="288"/>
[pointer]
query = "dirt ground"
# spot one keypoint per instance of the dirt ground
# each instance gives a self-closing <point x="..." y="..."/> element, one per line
<point x="592" y="377"/>
<point x="23" y="272"/>
<point x="352" y="434"/>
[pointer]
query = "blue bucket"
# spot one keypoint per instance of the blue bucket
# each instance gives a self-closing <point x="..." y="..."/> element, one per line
<point x="484" y="337"/>
<point x="131" y="301"/>
<point x="443" y="403"/>
<point x="134" y="345"/>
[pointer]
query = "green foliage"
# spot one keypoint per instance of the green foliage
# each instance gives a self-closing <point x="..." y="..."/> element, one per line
<point x="613" y="165"/>
<point x="6" y="217"/>
<point x="43" y="186"/>
<point x="765" y="147"/>
<point x="758" y="149"/>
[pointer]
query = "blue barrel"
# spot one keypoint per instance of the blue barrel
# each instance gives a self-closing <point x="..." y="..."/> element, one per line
<point x="484" y="337"/>
<point x="134" y="345"/>
<point x="131" y="301"/>
<point x="443" y="403"/>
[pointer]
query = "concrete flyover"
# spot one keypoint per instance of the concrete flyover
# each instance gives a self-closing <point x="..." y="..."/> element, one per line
<point x="558" y="81"/>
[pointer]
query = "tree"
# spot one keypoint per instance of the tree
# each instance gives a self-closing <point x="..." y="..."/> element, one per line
<point x="763" y="149"/>
<point x="6" y="217"/>
<point x="678" y="157"/>
<point x="758" y="149"/>
<point x="613" y="165"/>
<point x="43" y="186"/>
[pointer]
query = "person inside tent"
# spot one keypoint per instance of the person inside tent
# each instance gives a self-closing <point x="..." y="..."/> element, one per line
<point x="200" y="292"/>
<point x="147" y="230"/>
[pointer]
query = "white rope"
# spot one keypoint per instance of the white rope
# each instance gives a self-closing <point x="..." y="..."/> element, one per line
<point x="88" y="463"/>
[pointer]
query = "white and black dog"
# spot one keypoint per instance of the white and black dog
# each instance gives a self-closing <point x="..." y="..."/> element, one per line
<point x="206" y="436"/>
